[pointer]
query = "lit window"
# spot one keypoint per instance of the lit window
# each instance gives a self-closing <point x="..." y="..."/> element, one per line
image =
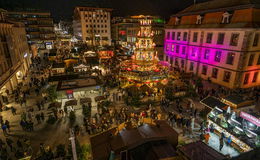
<point x="209" y="37"/>
<point x="195" y="37"/>
<point x="172" y="48"/>
<point x="226" y="17"/>
<point x="214" y="73"/>
<point x="199" y="19"/>
<point x="234" y="39"/>
<point x="227" y="76"/>
<point x="255" y="77"/>
<point x="167" y="47"/>
<point x="178" y="36"/>
<point x="206" y="54"/>
<point x="230" y="58"/>
<point x="193" y="52"/>
<point x="217" y="56"/>
<point x="256" y="39"/>
<point x="246" y="78"/>
<point x="251" y="60"/>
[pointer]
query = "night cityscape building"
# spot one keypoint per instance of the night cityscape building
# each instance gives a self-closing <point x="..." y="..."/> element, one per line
<point x="14" y="55"/>
<point x="101" y="84"/>
<point x="92" y="25"/>
<point x="217" y="40"/>
<point x="39" y="27"/>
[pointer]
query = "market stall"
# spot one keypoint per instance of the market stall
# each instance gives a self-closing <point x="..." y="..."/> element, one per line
<point x="236" y="101"/>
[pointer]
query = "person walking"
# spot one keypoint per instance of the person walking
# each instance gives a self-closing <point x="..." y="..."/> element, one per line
<point x="7" y="123"/>
<point x="4" y="127"/>
<point x="207" y="137"/>
<point x="221" y="143"/>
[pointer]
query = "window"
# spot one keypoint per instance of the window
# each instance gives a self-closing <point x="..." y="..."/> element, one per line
<point x="167" y="58"/>
<point x="176" y="62"/>
<point x="214" y="73"/>
<point x="173" y="35"/>
<point x="255" y="77"/>
<point x="226" y="17"/>
<point x="256" y="39"/>
<point x="167" y="47"/>
<point x="191" y="66"/>
<point x="182" y="63"/>
<point x="251" y="60"/>
<point x="246" y="78"/>
<point x="234" y="39"/>
<point x="185" y="36"/>
<point x="230" y="58"/>
<point x="168" y="35"/>
<point x="217" y="56"/>
<point x="171" y="60"/>
<point x="177" y="49"/>
<point x="193" y="52"/>
<point x="209" y="37"/>
<point x="183" y="50"/>
<point x="195" y="37"/>
<point x="178" y="36"/>
<point x="206" y="54"/>
<point x="258" y="60"/>
<point x="199" y="19"/>
<point x="204" y="69"/>
<point x="221" y="37"/>
<point x="172" y="48"/>
<point x="227" y="76"/>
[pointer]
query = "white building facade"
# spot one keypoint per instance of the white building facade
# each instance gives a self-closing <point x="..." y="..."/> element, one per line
<point x="217" y="42"/>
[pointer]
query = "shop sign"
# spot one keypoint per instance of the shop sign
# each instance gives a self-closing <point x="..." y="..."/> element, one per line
<point x="69" y="94"/>
<point x="250" y="118"/>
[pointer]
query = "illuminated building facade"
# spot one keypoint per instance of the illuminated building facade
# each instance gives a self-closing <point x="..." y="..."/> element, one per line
<point x="14" y="55"/>
<point x="217" y="40"/>
<point x="92" y="25"/>
<point x="144" y="68"/>
<point x="39" y="27"/>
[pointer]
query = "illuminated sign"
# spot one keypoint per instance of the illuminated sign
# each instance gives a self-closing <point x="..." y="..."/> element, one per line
<point x="250" y="118"/>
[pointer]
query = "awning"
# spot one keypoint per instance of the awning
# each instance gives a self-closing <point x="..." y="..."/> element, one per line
<point x="212" y="102"/>
<point x="85" y="100"/>
<point x="71" y="103"/>
<point x="99" y="98"/>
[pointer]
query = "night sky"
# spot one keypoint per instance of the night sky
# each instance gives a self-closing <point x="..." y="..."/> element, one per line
<point x="63" y="9"/>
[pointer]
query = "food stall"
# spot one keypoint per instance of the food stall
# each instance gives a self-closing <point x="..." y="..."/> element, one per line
<point x="242" y="127"/>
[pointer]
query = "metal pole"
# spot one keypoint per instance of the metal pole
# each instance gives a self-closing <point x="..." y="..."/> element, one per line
<point x="73" y="145"/>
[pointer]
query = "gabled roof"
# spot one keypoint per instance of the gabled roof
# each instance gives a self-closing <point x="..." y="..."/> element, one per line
<point x="219" y="5"/>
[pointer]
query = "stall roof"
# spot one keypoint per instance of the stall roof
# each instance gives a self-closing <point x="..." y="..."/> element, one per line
<point x="58" y="65"/>
<point x="85" y="100"/>
<point x="212" y="102"/>
<point x="129" y="139"/>
<point x="71" y="103"/>
<point x="235" y="99"/>
<point x="199" y="150"/>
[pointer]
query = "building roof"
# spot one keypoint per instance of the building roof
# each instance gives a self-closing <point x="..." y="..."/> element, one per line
<point x="129" y="139"/>
<point x="219" y="5"/>
<point x="235" y="99"/>
<point x="58" y="65"/>
<point x="212" y="102"/>
<point x="199" y="151"/>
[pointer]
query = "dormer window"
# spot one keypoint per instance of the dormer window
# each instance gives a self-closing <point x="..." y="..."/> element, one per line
<point x="226" y="17"/>
<point x="199" y="19"/>
<point x="177" y="20"/>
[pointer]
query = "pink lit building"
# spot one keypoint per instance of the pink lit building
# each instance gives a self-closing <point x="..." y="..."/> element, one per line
<point x="217" y="40"/>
